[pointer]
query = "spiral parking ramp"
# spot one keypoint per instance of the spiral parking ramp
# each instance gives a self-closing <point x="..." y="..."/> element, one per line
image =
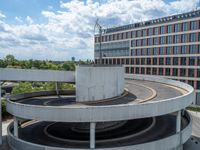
<point x="148" y="114"/>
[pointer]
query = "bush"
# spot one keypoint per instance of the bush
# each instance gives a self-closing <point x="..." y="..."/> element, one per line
<point x="3" y="108"/>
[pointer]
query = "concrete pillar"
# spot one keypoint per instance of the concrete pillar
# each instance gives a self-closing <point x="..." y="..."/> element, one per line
<point x="0" y="118"/>
<point x="178" y="129"/>
<point x="16" y="126"/>
<point x="178" y="122"/>
<point x="57" y="91"/>
<point x="92" y="135"/>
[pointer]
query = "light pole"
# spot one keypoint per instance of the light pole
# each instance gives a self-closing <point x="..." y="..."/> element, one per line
<point x="100" y="37"/>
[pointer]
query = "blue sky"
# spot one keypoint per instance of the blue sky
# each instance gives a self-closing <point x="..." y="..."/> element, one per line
<point x="59" y="30"/>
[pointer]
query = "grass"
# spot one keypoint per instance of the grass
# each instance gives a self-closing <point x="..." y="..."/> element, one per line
<point x="193" y="108"/>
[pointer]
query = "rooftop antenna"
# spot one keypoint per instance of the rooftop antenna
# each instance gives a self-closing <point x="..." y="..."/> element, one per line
<point x="97" y="25"/>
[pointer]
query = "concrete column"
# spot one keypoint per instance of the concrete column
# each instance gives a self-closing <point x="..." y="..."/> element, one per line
<point x="15" y="126"/>
<point x="178" y="129"/>
<point x="57" y="91"/>
<point x="92" y="135"/>
<point x="0" y="118"/>
<point x="178" y="122"/>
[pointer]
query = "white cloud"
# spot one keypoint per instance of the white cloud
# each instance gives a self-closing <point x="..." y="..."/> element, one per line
<point x="69" y="31"/>
<point x="29" y="20"/>
<point x="2" y="15"/>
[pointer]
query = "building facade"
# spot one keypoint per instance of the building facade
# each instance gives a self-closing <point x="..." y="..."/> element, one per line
<point x="168" y="46"/>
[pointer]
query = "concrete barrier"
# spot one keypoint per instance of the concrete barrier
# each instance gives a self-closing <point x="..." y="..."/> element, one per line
<point x="94" y="82"/>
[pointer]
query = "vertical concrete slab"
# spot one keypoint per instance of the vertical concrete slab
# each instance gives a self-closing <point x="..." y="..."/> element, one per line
<point x="95" y="82"/>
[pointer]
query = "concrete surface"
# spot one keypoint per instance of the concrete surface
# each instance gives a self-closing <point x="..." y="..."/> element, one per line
<point x="98" y="82"/>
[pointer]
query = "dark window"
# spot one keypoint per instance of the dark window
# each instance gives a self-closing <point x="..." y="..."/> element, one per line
<point x="161" y="61"/>
<point x="155" y="41"/>
<point x="192" y="49"/>
<point x="160" y="71"/>
<point x="137" y="61"/>
<point x="168" y="50"/>
<point x="144" y="32"/>
<point x="169" y="39"/>
<point x="155" y="51"/>
<point x="182" y="72"/>
<point x="154" y="61"/>
<point x="132" y="61"/>
<point x="149" y="51"/>
<point x="154" y="71"/>
<point x="132" y="43"/>
<point x="176" y="50"/>
<point x="148" y="61"/>
<point x="175" y="61"/>
<point x="161" y="50"/>
<point x="175" y="72"/>
<point x="183" y="61"/>
<point x="190" y="72"/>
<point x="132" y="34"/>
<point x="132" y="69"/>
<point x="137" y="71"/>
<point x="198" y="85"/>
<point x="191" y="61"/>
<point x="143" y="51"/>
<point x="183" y="49"/>
<point x="168" y="61"/>
<point x="198" y="62"/>
<point x="142" y="71"/>
<point x="162" y="40"/>
<point x="148" y="70"/>
<point x="127" y="69"/>
<point x="198" y="73"/>
<point x="167" y="71"/>
<point x="190" y="82"/>
<point x="183" y="38"/>
<point x="143" y="61"/>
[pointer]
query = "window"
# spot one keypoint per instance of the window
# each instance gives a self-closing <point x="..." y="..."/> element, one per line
<point x="127" y="61"/>
<point x="161" y="61"/>
<point x="198" y="73"/>
<point x="149" y="41"/>
<point x="148" y="70"/>
<point x="142" y="71"/>
<point x="162" y="40"/>
<point x="132" y="43"/>
<point x="185" y="26"/>
<point x="123" y="35"/>
<point x="169" y="39"/>
<point x="148" y="61"/>
<point x="137" y="71"/>
<point x="198" y="62"/>
<point x="162" y="51"/>
<point x="190" y="82"/>
<point x="162" y="30"/>
<point x="137" y="61"/>
<point x="168" y="61"/>
<point x="176" y="50"/>
<point x="176" y="38"/>
<point x="175" y="72"/>
<point x="137" y="52"/>
<point x="138" y="33"/>
<point x="182" y="72"/>
<point x="198" y="85"/>
<point x="192" y="49"/>
<point x="132" y="52"/>
<point x="137" y="42"/>
<point x="183" y="61"/>
<point x="132" y="70"/>
<point x="190" y="72"/>
<point x="198" y="50"/>
<point x="168" y="50"/>
<point x="192" y="37"/>
<point x="155" y="41"/>
<point x="175" y="61"/>
<point x="154" y="71"/>
<point x="143" y="51"/>
<point x="191" y="61"/>
<point x="149" y="51"/>
<point x="193" y="25"/>
<point x="176" y="28"/>
<point x="155" y="51"/>
<point x="160" y="71"/>
<point x="132" y="61"/>
<point x="127" y="69"/>
<point x="154" y="61"/>
<point x="132" y="34"/>
<point x="183" y="38"/>
<point x="169" y="28"/>
<point x="144" y="32"/>
<point x="167" y="71"/>
<point x="183" y="49"/>
<point x="143" y="61"/>
<point x="156" y="30"/>
<point x="150" y="31"/>
<point x="143" y="42"/>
